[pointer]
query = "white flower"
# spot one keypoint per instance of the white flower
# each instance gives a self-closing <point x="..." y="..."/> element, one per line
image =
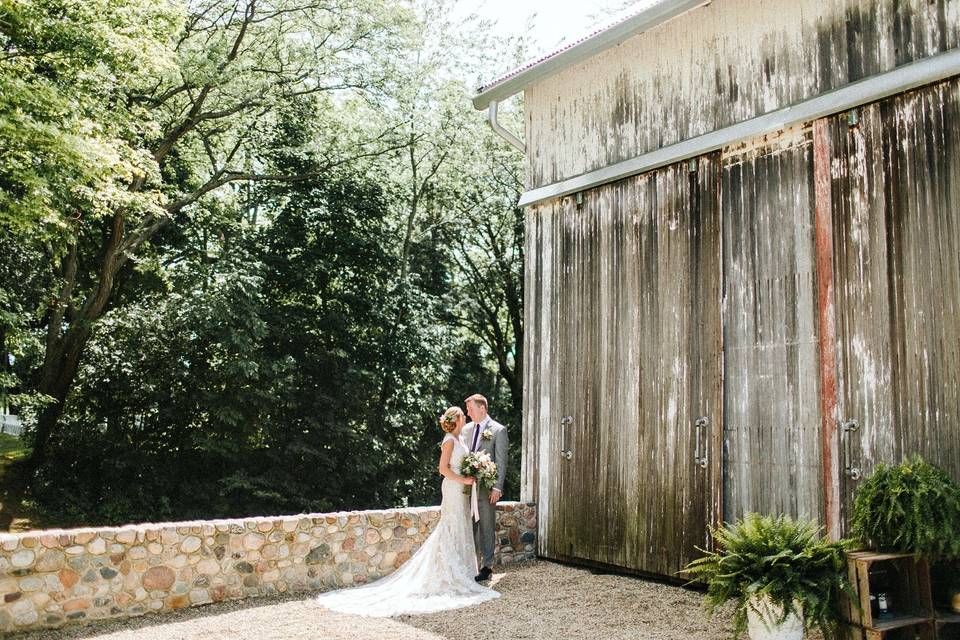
<point x="487" y="434"/>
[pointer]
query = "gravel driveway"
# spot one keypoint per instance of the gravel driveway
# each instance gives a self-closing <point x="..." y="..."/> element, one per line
<point x="548" y="600"/>
<point x="540" y="600"/>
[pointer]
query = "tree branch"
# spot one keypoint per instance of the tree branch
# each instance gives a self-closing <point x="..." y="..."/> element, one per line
<point x="191" y="119"/>
<point x="60" y="302"/>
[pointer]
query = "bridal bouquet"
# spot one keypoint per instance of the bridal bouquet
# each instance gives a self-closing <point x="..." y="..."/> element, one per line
<point x="479" y="466"/>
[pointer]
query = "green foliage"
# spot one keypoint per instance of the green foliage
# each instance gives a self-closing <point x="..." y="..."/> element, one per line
<point x="11" y="447"/>
<point x="165" y="381"/>
<point x="257" y="385"/>
<point x="911" y="507"/>
<point x="778" y="558"/>
<point x="300" y="282"/>
<point x="69" y="139"/>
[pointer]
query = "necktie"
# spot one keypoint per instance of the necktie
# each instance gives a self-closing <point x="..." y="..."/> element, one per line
<point x="476" y="436"/>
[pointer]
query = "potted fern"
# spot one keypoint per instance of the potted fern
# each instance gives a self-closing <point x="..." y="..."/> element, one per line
<point x="782" y="575"/>
<point x="912" y="507"/>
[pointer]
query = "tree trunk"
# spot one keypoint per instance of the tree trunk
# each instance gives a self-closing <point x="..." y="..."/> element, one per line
<point x="5" y="368"/>
<point x="56" y="380"/>
<point x="64" y="348"/>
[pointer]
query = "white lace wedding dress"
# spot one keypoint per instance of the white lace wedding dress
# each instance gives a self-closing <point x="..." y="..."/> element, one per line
<point x="439" y="576"/>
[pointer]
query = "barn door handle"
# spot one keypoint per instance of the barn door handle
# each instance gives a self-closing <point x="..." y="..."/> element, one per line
<point x="700" y="429"/>
<point x="849" y="427"/>
<point x="565" y="453"/>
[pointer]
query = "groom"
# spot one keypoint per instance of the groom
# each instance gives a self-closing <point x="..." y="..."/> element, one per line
<point x="486" y="434"/>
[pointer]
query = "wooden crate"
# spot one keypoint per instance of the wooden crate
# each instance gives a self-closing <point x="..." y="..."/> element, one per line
<point x="906" y="580"/>
<point x="948" y="626"/>
<point x="919" y="631"/>
<point x="943" y="576"/>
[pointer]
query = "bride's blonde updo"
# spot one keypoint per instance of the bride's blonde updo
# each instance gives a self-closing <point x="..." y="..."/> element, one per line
<point x="448" y="421"/>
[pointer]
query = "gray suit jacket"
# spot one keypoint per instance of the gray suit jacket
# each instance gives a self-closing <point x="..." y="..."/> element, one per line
<point x="497" y="446"/>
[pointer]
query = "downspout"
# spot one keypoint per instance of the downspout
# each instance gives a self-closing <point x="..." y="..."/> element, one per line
<point x="514" y="141"/>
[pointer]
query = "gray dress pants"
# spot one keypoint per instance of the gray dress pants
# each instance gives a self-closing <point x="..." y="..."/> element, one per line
<point x="485" y="531"/>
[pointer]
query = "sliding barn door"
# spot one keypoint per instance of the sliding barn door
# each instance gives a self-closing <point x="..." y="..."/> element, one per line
<point x="896" y="222"/>
<point x="771" y="402"/>
<point x="623" y="377"/>
<point x="680" y="359"/>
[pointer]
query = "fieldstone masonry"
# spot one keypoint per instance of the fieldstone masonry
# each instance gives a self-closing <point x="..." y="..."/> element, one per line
<point x="56" y="577"/>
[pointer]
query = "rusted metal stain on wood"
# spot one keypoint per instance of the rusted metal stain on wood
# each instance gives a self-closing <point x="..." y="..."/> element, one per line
<point x="624" y="338"/>
<point x="771" y="393"/>
<point x="718" y="65"/>
<point x="826" y="310"/>
<point x="895" y="200"/>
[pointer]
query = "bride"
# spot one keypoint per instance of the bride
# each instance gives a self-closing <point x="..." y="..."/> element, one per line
<point x="440" y="575"/>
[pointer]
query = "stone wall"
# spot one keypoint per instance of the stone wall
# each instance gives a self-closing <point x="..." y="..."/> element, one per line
<point x="56" y="577"/>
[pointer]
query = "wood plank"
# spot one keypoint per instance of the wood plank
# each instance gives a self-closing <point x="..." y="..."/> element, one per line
<point x="898" y="623"/>
<point x="771" y="398"/>
<point x="874" y="556"/>
<point x="827" y="345"/>
<point x="533" y="304"/>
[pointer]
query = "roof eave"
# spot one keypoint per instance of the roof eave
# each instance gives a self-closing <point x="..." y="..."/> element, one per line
<point x="642" y="21"/>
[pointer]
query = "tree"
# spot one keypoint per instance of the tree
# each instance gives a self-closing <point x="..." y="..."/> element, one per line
<point x="66" y="69"/>
<point x="186" y="134"/>
<point x="488" y="238"/>
<point x="317" y="251"/>
<point x="459" y="186"/>
<point x="253" y="367"/>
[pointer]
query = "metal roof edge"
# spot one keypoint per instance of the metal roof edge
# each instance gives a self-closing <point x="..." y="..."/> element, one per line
<point x="540" y="68"/>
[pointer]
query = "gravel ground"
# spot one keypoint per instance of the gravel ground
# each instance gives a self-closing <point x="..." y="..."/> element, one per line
<point x="291" y="618"/>
<point x="548" y="600"/>
<point x="540" y="600"/>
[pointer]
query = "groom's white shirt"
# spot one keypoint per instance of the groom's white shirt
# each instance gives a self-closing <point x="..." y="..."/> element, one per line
<point x="471" y="445"/>
<point x="496" y="446"/>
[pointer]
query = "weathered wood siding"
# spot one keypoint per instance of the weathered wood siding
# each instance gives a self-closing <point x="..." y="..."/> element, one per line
<point x="836" y="244"/>
<point x="771" y="403"/>
<point x="623" y="337"/>
<point x="896" y="205"/>
<point x="717" y="65"/>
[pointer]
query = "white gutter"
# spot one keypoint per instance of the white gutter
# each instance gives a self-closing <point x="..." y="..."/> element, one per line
<point x="644" y="20"/>
<point x="874" y="88"/>
<point x="514" y="141"/>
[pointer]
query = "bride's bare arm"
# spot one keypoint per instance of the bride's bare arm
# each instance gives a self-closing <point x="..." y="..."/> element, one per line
<point x="446" y="449"/>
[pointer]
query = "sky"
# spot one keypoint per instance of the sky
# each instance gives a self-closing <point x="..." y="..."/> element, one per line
<point x="554" y="21"/>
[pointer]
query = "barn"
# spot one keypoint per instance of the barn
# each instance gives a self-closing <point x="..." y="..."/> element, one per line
<point x="742" y="266"/>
